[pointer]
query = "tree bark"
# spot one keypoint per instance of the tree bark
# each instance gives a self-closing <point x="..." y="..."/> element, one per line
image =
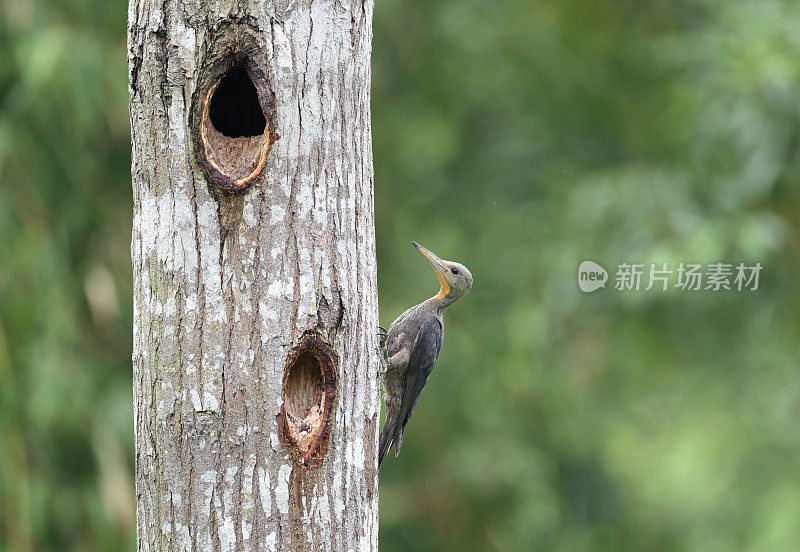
<point x="255" y="363"/>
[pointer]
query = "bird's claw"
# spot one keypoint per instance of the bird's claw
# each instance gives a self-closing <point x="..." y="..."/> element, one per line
<point x="382" y="334"/>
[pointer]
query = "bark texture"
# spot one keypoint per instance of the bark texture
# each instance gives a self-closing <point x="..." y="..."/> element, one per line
<point x="225" y="286"/>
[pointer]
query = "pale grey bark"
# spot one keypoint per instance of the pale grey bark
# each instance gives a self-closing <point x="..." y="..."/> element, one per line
<point x="224" y="286"/>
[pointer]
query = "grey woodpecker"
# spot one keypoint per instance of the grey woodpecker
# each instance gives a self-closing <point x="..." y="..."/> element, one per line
<point x="412" y="346"/>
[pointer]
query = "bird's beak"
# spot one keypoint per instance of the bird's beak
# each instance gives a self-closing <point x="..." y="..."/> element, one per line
<point x="437" y="265"/>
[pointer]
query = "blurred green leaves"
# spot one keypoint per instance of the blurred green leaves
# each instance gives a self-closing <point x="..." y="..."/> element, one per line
<point x="619" y="132"/>
<point x="65" y="409"/>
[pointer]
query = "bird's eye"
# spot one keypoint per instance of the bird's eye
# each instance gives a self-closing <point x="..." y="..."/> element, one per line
<point x="454" y="270"/>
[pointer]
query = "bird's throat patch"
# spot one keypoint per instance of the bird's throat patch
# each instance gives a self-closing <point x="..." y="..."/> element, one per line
<point x="445" y="289"/>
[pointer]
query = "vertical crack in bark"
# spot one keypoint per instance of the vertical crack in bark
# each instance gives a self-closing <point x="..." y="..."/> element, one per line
<point x="296" y="301"/>
<point x="255" y="302"/>
<point x="200" y="287"/>
<point x="191" y="522"/>
<point x="295" y="249"/>
<point x="172" y="522"/>
<point x="259" y="516"/>
<point x="136" y="65"/>
<point x="237" y="514"/>
<point x="200" y="290"/>
<point x="213" y="526"/>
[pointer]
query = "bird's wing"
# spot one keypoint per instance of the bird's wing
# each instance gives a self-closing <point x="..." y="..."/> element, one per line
<point x="420" y="365"/>
<point x="395" y="335"/>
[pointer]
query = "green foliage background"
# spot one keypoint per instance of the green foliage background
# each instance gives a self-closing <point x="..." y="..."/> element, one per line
<point x="519" y="137"/>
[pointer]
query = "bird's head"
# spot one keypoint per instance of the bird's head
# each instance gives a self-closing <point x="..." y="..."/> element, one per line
<point x="454" y="277"/>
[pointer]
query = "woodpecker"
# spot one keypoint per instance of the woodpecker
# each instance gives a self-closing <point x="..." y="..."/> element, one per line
<point x="412" y="346"/>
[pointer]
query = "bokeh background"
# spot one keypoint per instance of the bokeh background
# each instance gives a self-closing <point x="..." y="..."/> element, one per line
<point x="519" y="137"/>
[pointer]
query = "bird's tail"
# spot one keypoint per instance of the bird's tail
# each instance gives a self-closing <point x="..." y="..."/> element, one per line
<point x="398" y="439"/>
<point x="387" y="436"/>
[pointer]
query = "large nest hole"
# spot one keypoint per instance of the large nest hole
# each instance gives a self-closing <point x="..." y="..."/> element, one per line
<point x="235" y="130"/>
<point x="304" y="400"/>
<point x="235" y="110"/>
<point x="309" y="389"/>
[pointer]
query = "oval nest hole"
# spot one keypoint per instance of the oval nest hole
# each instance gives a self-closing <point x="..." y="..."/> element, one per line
<point x="234" y="130"/>
<point x="309" y="389"/>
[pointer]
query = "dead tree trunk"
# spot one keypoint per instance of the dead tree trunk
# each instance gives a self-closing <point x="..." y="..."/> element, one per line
<point x="255" y="357"/>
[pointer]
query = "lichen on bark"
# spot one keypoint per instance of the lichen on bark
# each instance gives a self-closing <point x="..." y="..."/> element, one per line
<point x="224" y="286"/>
